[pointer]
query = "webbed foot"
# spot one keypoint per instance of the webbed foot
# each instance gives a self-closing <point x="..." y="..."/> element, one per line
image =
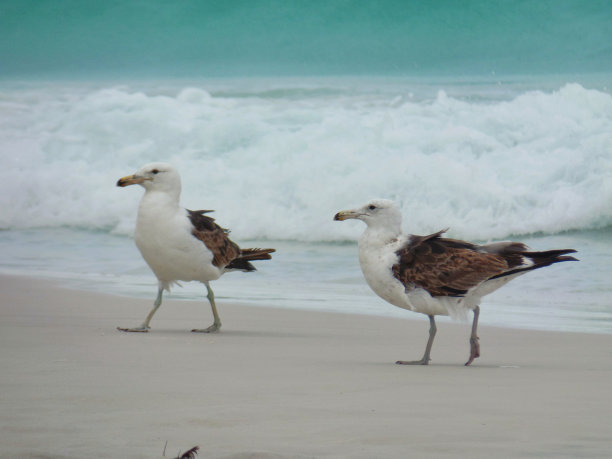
<point x="474" y="350"/>
<point x="413" y="362"/>
<point x="140" y="329"/>
<point x="212" y="329"/>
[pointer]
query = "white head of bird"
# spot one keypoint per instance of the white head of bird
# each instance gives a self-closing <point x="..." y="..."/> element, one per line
<point x="155" y="177"/>
<point x="382" y="216"/>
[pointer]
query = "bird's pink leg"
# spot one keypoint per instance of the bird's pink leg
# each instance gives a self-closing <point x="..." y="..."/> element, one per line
<point x="474" y="344"/>
<point x="425" y="360"/>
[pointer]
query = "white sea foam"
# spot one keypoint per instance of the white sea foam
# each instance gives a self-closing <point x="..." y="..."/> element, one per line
<point x="278" y="161"/>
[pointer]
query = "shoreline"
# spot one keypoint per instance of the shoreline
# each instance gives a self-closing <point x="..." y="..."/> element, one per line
<point x="280" y="383"/>
<point x="188" y="294"/>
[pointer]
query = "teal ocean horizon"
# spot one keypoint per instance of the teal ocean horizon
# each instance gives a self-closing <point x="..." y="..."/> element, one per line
<point x="214" y="38"/>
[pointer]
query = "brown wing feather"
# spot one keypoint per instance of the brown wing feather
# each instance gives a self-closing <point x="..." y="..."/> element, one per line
<point x="445" y="267"/>
<point x="214" y="237"/>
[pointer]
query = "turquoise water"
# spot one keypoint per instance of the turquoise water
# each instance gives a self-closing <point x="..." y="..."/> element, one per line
<point x="493" y="118"/>
<point x="114" y="38"/>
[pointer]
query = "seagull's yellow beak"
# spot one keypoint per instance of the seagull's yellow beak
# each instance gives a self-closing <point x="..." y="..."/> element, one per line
<point x="346" y="214"/>
<point x="131" y="180"/>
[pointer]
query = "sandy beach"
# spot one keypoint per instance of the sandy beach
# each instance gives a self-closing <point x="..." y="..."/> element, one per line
<point x="286" y="384"/>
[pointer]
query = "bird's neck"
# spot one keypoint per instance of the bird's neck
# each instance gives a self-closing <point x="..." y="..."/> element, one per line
<point x="378" y="236"/>
<point x="155" y="202"/>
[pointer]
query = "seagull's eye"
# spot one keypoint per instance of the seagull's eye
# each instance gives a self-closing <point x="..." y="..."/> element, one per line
<point x="371" y="207"/>
<point x="155" y="171"/>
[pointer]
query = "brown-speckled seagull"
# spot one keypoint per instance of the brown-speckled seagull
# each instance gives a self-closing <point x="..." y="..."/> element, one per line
<point x="435" y="275"/>
<point x="180" y="244"/>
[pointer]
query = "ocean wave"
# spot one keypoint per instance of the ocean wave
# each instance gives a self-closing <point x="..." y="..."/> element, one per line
<point x="281" y="161"/>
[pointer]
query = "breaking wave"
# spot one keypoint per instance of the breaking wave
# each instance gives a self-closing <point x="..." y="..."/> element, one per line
<point x="277" y="160"/>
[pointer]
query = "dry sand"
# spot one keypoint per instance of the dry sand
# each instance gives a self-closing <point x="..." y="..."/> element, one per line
<point x="286" y="384"/>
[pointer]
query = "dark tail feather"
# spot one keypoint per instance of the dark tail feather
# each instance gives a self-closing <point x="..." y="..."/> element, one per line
<point x="541" y="260"/>
<point x="550" y="256"/>
<point x="248" y="255"/>
<point x="256" y="254"/>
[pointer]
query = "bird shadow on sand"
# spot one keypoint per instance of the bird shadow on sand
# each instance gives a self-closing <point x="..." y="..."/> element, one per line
<point x="432" y="365"/>
<point x="160" y="332"/>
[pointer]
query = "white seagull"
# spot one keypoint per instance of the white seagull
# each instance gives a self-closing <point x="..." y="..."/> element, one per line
<point x="180" y="244"/>
<point x="435" y="275"/>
